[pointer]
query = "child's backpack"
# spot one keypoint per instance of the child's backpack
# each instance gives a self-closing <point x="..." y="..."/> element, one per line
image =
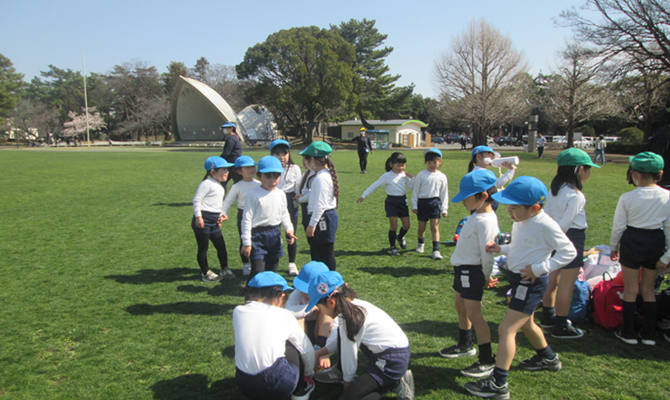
<point x="580" y="301"/>
<point x="459" y="227"/>
<point x="608" y="303"/>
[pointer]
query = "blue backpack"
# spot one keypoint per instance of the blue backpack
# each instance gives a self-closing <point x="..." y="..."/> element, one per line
<point x="580" y="301"/>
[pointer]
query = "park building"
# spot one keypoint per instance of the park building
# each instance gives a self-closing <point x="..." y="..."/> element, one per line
<point x="407" y="132"/>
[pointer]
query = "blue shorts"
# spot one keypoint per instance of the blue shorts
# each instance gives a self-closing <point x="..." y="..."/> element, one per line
<point x="641" y="248"/>
<point x="326" y="228"/>
<point x="210" y="224"/>
<point x="429" y="209"/>
<point x="578" y="238"/>
<point x="396" y="206"/>
<point x="526" y="296"/>
<point x="469" y="281"/>
<point x="266" y="243"/>
<point x="275" y="382"/>
<point x="394" y="363"/>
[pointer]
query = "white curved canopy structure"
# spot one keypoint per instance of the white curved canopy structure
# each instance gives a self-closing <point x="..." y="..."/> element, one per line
<point x="258" y="122"/>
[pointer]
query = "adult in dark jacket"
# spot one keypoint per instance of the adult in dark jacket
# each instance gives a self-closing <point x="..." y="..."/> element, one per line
<point x="232" y="150"/>
<point x="660" y="144"/>
<point x="364" y="148"/>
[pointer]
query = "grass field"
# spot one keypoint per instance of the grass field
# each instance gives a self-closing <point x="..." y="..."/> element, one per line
<point x="101" y="298"/>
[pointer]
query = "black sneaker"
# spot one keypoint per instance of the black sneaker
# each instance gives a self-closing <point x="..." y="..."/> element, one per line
<point x="547" y="322"/>
<point x="537" y="363"/>
<point x="647" y="339"/>
<point x="487" y="388"/>
<point x="403" y="243"/>
<point x="478" y="370"/>
<point x="567" y="332"/>
<point x="628" y="338"/>
<point x="456" y="351"/>
<point x="302" y="393"/>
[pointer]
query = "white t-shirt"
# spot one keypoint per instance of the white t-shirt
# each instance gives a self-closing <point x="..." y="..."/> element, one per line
<point x="567" y="208"/>
<point x="321" y="196"/>
<point x="208" y="197"/>
<point x="290" y="179"/>
<point x="307" y="188"/>
<point x="428" y="185"/>
<point x="395" y="184"/>
<point x="478" y="230"/>
<point x="264" y="208"/>
<point x="237" y="193"/>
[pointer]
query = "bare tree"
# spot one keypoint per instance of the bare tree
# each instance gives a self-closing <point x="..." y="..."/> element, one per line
<point x="223" y="79"/>
<point x="480" y="71"/>
<point x="35" y="116"/>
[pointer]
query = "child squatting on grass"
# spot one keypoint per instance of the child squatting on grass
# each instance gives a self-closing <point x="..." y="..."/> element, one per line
<point x="640" y="232"/>
<point x="534" y="236"/>
<point x="396" y="182"/>
<point x="430" y="199"/>
<point x="207" y="218"/>
<point x="472" y="270"/>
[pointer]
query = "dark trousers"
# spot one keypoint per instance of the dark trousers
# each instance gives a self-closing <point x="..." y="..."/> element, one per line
<point x="363" y="160"/>
<point x="540" y="150"/>
<point x="203" y="245"/>
<point x="324" y="252"/>
<point x="261" y="265"/>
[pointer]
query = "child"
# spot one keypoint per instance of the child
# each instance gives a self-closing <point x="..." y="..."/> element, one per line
<point x="246" y="168"/>
<point x="482" y="157"/>
<point x="565" y="204"/>
<point x="396" y="181"/>
<point x="207" y="218"/>
<point x="264" y="209"/>
<point x="288" y="183"/>
<point x="472" y="270"/>
<point x="642" y="228"/>
<point x="366" y="327"/>
<point x="273" y="357"/>
<point x="534" y="236"/>
<point x="322" y="203"/>
<point x="303" y="198"/>
<point x="430" y="198"/>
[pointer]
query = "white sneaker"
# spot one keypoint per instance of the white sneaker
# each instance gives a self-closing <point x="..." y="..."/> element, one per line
<point x="292" y="269"/>
<point x="329" y="375"/>
<point x="405" y="387"/>
<point x="210" y="277"/>
<point x="419" y="247"/>
<point x="246" y="269"/>
<point x="437" y="255"/>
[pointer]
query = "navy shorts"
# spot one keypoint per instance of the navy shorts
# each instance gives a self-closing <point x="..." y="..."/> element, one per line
<point x="641" y="248"/>
<point x="210" y="224"/>
<point x="526" y="296"/>
<point x="305" y="217"/>
<point x="469" y="281"/>
<point x="326" y="228"/>
<point x="275" y="382"/>
<point x="578" y="238"/>
<point x="428" y="209"/>
<point x="389" y="366"/>
<point x="292" y="205"/>
<point x="396" y="206"/>
<point x="266" y="243"/>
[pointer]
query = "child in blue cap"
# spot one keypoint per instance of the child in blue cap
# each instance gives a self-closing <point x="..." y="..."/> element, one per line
<point x="482" y="158"/>
<point x="641" y="233"/>
<point x="430" y="200"/>
<point x="246" y="168"/>
<point x="472" y="270"/>
<point x="366" y="327"/>
<point x="207" y="218"/>
<point x="274" y="359"/>
<point x="264" y="211"/>
<point x="534" y="236"/>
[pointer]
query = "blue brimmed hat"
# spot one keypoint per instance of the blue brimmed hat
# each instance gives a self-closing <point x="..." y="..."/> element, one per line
<point x="524" y="190"/>
<point x="307" y="273"/>
<point x="229" y="125"/>
<point x="244" y="161"/>
<point x="268" y="278"/>
<point x="481" y="149"/>
<point x="433" y="150"/>
<point x="477" y="181"/>
<point x="216" y="162"/>
<point x="317" y="149"/>
<point x="269" y="164"/>
<point x="279" y="141"/>
<point x="322" y="286"/>
<point x="647" y="162"/>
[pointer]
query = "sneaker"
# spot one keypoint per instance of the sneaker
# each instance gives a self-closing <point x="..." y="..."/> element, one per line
<point x="456" y="351"/>
<point x="567" y="332"/>
<point x="210" y="277"/>
<point x="419" y="247"/>
<point x="536" y="363"/>
<point x="437" y="255"/>
<point x="628" y="338"/>
<point x="478" y="370"/>
<point x="647" y="339"/>
<point x="329" y="375"/>
<point x="405" y="387"/>
<point x="302" y="393"/>
<point x="292" y="269"/>
<point x="246" y="269"/>
<point x="403" y="243"/>
<point x="227" y="273"/>
<point x="547" y="322"/>
<point x="663" y="324"/>
<point x="394" y="252"/>
<point x="487" y="388"/>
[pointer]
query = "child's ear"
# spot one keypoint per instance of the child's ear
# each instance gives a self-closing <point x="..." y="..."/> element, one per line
<point x="536" y="207"/>
<point x="485" y="196"/>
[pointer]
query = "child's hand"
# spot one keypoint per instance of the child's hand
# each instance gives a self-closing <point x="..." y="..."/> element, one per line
<point x="415" y="211"/>
<point x="661" y="265"/>
<point x="493" y="282"/>
<point x="527" y="274"/>
<point x="508" y="165"/>
<point x="492" y="247"/>
<point x="245" y="251"/>
<point x="444" y="215"/>
<point x="199" y="222"/>
<point x="324" y="362"/>
<point x="360" y="200"/>
<point x="407" y="174"/>
<point x="290" y="237"/>
<point x="223" y="217"/>
<point x="298" y="196"/>
<point x="310" y="231"/>
<point x="614" y="255"/>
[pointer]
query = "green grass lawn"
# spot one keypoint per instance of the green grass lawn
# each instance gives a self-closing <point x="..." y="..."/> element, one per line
<point x="101" y="295"/>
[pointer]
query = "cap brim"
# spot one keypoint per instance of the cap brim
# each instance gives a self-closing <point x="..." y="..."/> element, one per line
<point x="312" y="303"/>
<point x="460" y="196"/>
<point x="269" y="170"/>
<point x="301" y="285"/>
<point x="501" y="197"/>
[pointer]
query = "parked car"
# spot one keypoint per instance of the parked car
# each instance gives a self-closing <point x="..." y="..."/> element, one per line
<point x="437" y="140"/>
<point x="452" y="138"/>
<point x="506" y="141"/>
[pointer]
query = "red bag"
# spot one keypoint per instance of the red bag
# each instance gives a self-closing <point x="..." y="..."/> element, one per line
<point x="608" y="303"/>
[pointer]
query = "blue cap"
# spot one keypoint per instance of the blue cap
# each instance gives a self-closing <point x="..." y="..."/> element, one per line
<point x="309" y="271"/>
<point x="477" y="181"/>
<point x="524" y="190"/>
<point x="268" y="278"/>
<point x="244" y="161"/>
<point x="216" y="162"/>
<point x="433" y="150"/>
<point x="481" y="149"/>
<point x="279" y="141"/>
<point x="322" y="286"/>
<point x="229" y="125"/>
<point x="269" y="164"/>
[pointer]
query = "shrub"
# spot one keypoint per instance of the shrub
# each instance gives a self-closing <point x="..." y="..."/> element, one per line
<point x="631" y="135"/>
<point x="624" y="148"/>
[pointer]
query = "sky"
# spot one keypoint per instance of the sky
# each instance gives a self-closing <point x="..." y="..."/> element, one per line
<point x="37" y="33"/>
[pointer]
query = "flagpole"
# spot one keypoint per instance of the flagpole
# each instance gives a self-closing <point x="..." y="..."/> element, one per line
<point x="83" y="63"/>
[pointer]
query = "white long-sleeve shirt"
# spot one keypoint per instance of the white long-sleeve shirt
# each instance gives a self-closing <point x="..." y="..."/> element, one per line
<point x="379" y="332"/>
<point x="504" y="179"/>
<point x="289" y="180"/>
<point x="264" y="208"/>
<point x="567" y="208"/>
<point x="428" y="185"/>
<point x="395" y="184"/>
<point x="478" y="230"/>
<point x="208" y="197"/>
<point x="533" y="240"/>
<point x="643" y="208"/>
<point x="321" y="197"/>
<point x="237" y="193"/>
<point x="307" y="188"/>
<point x="261" y="332"/>
<point x="297" y="305"/>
